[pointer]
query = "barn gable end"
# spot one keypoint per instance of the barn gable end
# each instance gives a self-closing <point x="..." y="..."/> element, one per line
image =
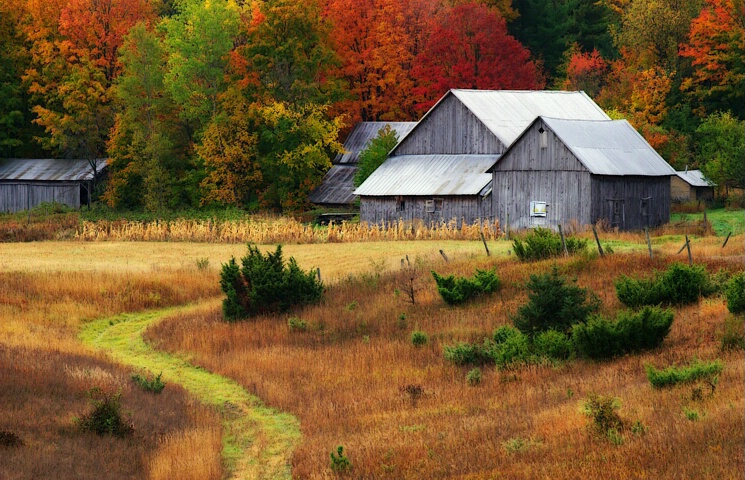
<point x="449" y="128"/>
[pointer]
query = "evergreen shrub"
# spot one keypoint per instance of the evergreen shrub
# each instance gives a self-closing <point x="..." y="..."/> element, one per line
<point x="265" y="283"/>
<point x="553" y="304"/>
<point x="678" y="285"/>
<point x="542" y="243"/>
<point x="456" y="290"/>
<point x="630" y="332"/>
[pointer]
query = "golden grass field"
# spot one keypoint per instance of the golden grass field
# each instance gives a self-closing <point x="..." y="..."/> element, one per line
<point x="346" y="378"/>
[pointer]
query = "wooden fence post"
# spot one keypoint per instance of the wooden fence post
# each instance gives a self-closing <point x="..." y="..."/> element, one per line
<point x="507" y="230"/>
<point x="726" y="240"/>
<point x="597" y="240"/>
<point x="690" y="258"/>
<point x="318" y="271"/>
<point x="488" y="253"/>
<point x="649" y="242"/>
<point x="563" y="243"/>
<point x="444" y="256"/>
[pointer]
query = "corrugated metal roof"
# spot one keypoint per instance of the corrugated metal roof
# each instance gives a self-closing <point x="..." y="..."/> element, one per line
<point x="48" y="169"/>
<point x="429" y="175"/>
<point x="695" y="178"/>
<point x="361" y="135"/>
<point x="337" y="186"/>
<point x="506" y="113"/>
<point x="610" y="147"/>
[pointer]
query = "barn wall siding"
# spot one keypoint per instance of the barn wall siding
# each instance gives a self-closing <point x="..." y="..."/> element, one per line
<point x="461" y="208"/>
<point x="19" y="196"/>
<point x="630" y="192"/>
<point x="450" y="129"/>
<point x="551" y="174"/>
<point x="681" y="190"/>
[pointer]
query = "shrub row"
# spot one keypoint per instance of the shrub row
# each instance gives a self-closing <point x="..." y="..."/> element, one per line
<point x="673" y="375"/>
<point x="735" y="293"/>
<point x="599" y="338"/>
<point x="456" y="290"/>
<point x="678" y="285"/>
<point x="543" y="243"/>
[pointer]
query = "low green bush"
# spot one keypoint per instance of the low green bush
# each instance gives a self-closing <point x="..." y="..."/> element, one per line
<point x="553" y="304"/>
<point x="473" y="377"/>
<point x="106" y="416"/>
<point x="148" y="383"/>
<point x="694" y="372"/>
<point x="339" y="462"/>
<point x="734" y="292"/>
<point x="678" y="285"/>
<point x="542" y="243"/>
<point x="456" y="290"/>
<point x="265" y="283"/>
<point x="297" y="324"/>
<point x="733" y="336"/>
<point x="603" y="413"/>
<point x="553" y="345"/>
<point x="630" y="332"/>
<point x="419" y="338"/>
<point x="463" y="353"/>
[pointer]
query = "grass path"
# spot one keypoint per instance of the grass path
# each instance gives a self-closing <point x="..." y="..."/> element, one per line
<point x="257" y="441"/>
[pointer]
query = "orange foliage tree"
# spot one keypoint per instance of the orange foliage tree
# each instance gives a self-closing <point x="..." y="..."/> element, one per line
<point x="716" y="46"/>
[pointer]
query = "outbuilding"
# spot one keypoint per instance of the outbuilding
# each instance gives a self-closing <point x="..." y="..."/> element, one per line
<point x="440" y="171"/>
<point x="691" y="185"/>
<point x="561" y="171"/>
<point x="337" y="187"/>
<point x="26" y="183"/>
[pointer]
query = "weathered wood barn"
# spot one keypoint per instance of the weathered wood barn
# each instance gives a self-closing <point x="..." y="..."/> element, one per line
<point x="561" y="170"/>
<point x="691" y="185"/>
<point x="439" y="171"/>
<point x="25" y="183"/>
<point x="337" y="187"/>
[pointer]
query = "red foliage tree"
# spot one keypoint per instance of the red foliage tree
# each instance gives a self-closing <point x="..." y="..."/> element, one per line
<point x="470" y="48"/>
<point x="585" y="71"/>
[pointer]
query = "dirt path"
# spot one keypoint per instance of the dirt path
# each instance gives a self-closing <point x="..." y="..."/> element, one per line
<point x="257" y="441"/>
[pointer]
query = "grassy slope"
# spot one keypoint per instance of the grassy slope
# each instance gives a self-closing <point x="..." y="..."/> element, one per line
<point x="257" y="442"/>
<point x="723" y="221"/>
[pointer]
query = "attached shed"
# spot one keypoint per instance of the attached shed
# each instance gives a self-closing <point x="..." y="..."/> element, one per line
<point x="561" y="170"/>
<point x="26" y="183"/>
<point x="691" y="185"/>
<point x="337" y="187"/>
<point x="430" y="188"/>
<point x="458" y="140"/>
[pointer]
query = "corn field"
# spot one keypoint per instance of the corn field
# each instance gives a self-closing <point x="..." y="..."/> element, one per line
<point x="280" y="230"/>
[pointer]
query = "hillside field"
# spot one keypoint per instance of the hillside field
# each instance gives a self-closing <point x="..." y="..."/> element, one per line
<point x="351" y="376"/>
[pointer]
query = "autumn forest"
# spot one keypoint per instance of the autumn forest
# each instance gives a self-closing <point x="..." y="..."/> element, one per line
<point x="236" y="102"/>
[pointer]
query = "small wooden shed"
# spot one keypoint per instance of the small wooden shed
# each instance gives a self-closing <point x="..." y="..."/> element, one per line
<point x="439" y="171"/>
<point x="26" y="183"/>
<point x="691" y="185"/>
<point x="337" y="187"/>
<point x="559" y="171"/>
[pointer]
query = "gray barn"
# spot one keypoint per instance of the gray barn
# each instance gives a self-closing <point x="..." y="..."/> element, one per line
<point x="337" y="187"/>
<point x="691" y="185"/>
<point x="25" y="183"/>
<point x="439" y="171"/>
<point x="560" y="170"/>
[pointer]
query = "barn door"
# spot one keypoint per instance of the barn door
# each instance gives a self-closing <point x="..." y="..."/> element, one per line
<point x="616" y="212"/>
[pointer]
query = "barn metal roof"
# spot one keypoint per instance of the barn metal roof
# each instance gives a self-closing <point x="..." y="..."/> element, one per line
<point x="610" y="147"/>
<point x="429" y="175"/>
<point x="695" y="178"/>
<point x="48" y="169"/>
<point x="506" y="113"/>
<point x="337" y="186"/>
<point x="361" y="135"/>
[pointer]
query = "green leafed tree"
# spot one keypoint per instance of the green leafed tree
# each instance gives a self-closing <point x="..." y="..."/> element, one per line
<point x="722" y="150"/>
<point x="375" y="153"/>
<point x="198" y="40"/>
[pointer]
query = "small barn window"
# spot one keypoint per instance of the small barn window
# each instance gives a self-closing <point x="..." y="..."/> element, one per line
<point x="543" y="137"/>
<point x="434" y="205"/>
<point x="400" y="205"/>
<point x="537" y="209"/>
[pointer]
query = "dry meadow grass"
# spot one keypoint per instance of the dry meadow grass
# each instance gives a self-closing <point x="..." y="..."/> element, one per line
<point x="45" y="373"/>
<point x="351" y="379"/>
